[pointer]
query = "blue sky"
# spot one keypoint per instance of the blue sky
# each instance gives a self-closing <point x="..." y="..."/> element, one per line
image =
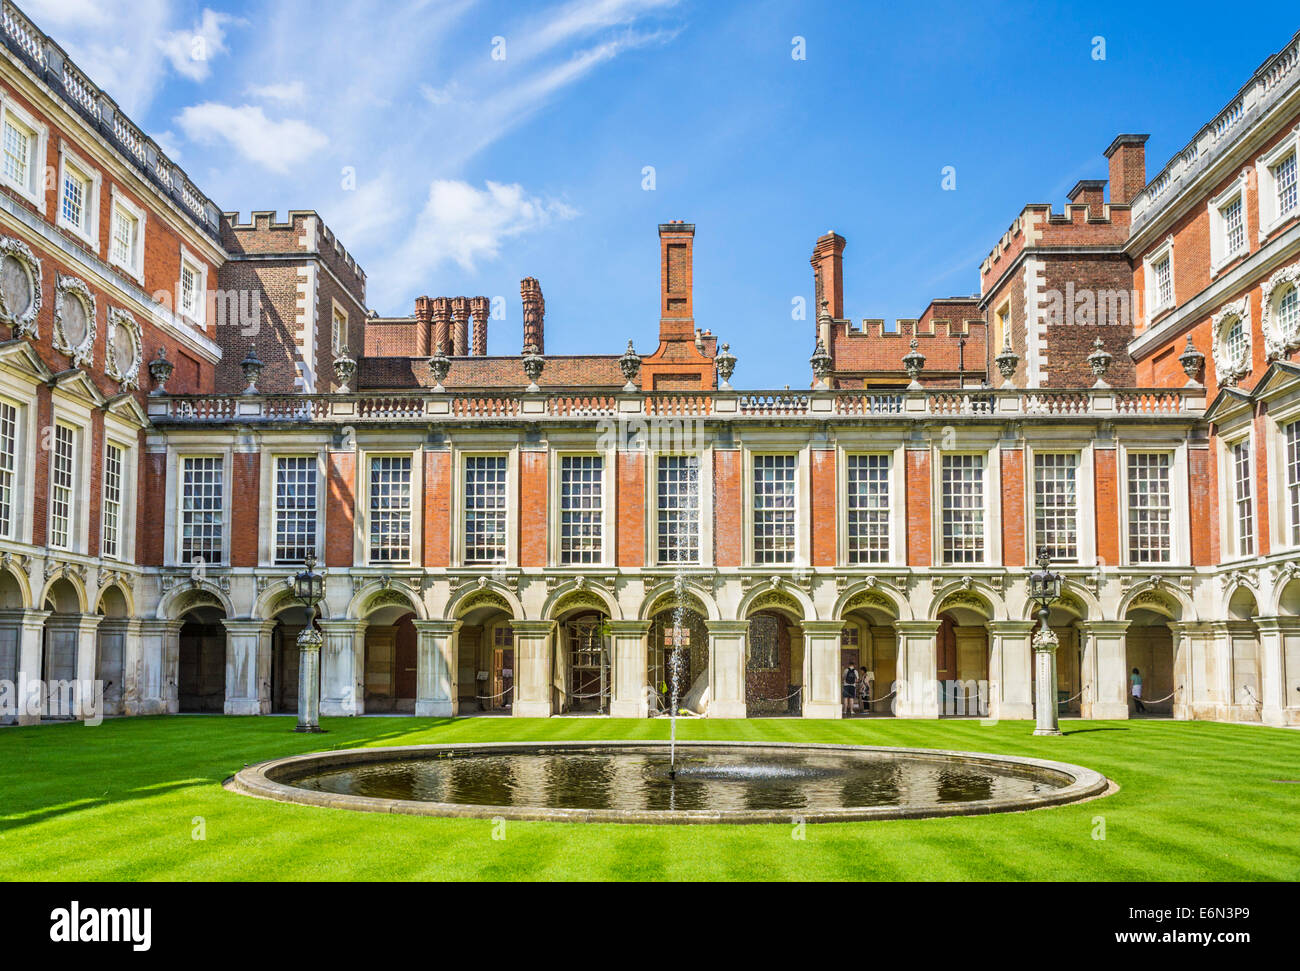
<point x="446" y="170"/>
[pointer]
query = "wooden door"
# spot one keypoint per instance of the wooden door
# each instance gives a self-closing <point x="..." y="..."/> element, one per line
<point x="381" y="647"/>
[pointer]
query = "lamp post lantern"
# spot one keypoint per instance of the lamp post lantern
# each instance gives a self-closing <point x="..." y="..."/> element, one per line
<point x="309" y="587"/>
<point x="1045" y="590"/>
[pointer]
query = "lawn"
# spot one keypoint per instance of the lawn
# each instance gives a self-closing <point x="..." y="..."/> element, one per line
<point x="123" y="801"/>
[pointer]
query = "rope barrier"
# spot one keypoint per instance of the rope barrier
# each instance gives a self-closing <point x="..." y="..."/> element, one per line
<point x="798" y="689"/>
<point x="499" y="694"/>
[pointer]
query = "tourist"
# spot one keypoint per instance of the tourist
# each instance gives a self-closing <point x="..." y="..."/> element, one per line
<point x="864" y="690"/>
<point x="850" y="689"/>
<point x="1136" y="681"/>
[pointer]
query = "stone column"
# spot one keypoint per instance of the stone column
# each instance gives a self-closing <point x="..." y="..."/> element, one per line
<point x="727" y="668"/>
<point x="342" y="672"/>
<point x="1105" y="669"/>
<point x="630" y="698"/>
<point x="1202" y="670"/>
<point x="1274" y="635"/>
<point x="89" y="692"/>
<point x="1011" y="672"/>
<point x="30" y="633"/>
<point x="436" y="688"/>
<point x="534" y="644"/>
<point x="916" y="684"/>
<point x="821" y="669"/>
<point x="158" y="667"/>
<point x="248" y="666"/>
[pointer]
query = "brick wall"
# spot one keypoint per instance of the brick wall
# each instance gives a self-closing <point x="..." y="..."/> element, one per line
<point x="151" y="495"/>
<point x="1106" y="507"/>
<point x="630" y="502"/>
<point x="437" y="509"/>
<point x="727" y="507"/>
<point x="245" y="486"/>
<point x="824" y="517"/>
<point x="919" y="550"/>
<point x="1012" y="461"/>
<point x="340" y="508"/>
<point x="533" y="526"/>
<point x="1203" y="492"/>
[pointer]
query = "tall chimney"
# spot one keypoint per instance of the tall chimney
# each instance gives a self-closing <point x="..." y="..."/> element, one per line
<point x="676" y="269"/>
<point x="459" y="326"/>
<point x="534" y="314"/>
<point x="479" y="308"/>
<point x="442" y="324"/>
<point x="423" y="316"/>
<point x="828" y="275"/>
<point x="1128" y="168"/>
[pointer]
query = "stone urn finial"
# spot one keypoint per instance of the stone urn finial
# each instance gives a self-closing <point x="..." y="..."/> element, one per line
<point x="534" y="364"/>
<point x="913" y="364"/>
<point x="344" y="370"/>
<point x="1007" y="361"/>
<point x="1192" y="361"/>
<point x="1099" y="360"/>
<point x="630" y="365"/>
<point x="252" y="368"/>
<point x="726" y="365"/>
<point x="439" y="367"/>
<point x="824" y="312"/>
<point x="160" y="369"/>
<point x="821" y="365"/>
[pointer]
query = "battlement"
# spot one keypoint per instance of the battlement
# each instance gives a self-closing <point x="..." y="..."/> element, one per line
<point x="302" y="231"/>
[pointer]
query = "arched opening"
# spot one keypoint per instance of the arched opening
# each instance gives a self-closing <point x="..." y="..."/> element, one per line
<point x="962" y="657"/>
<point x="1288" y="608"/>
<point x="680" y="632"/>
<point x="1149" y="661"/>
<point x="583" y="681"/>
<point x="201" y="674"/>
<point x="110" y="664"/>
<point x="774" y="652"/>
<point x="869" y="642"/>
<point x="390" y="659"/>
<point x="486" y="661"/>
<point x="59" y="650"/>
<point x="1244" y="655"/>
<point x="289" y="623"/>
<point x="11" y="612"/>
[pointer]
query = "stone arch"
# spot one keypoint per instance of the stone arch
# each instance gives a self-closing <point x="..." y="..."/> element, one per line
<point x="15" y="588"/>
<point x="872" y="595"/>
<point x="484" y="594"/>
<point x="375" y="594"/>
<point x="662" y="597"/>
<point x="72" y="581"/>
<point x="1074" y="597"/>
<point x="278" y="597"/>
<point x="115" y="600"/>
<point x="182" y="599"/>
<point x="785" y="597"/>
<point x="572" y="595"/>
<point x="971" y="594"/>
<point x="1286" y="597"/>
<point x="1163" y="598"/>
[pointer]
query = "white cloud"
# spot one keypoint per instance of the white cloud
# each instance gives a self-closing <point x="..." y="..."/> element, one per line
<point x="275" y="145"/>
<point x="438" y="96"/>
<point x="286" y="92"/>
<point x="191" y="51"/>
<point x="463" y="224"/>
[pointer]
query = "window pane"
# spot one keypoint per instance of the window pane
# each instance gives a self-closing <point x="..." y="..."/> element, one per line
<point x="1243" y="499"/>
<point x="1234" y="229"/>
<point x="1285" y="177"/>
<point x="1148" y="507"/>
<point x="74" y="199"/>
<point x="962" y="482"/>
<point x="201" y="509"/>
<point x="112" y="512"/>
<point x="8" y="466"/>
<point x="581" y="508"/>
<point x="679" y="508"/>
<point x="1292" y="433"/>
<point x="18" y="153"/>
<point x="1056" y="505"/>
<point x="774" y="508"/>
<point x="61" y="488"/>
<point x="295" y="508"/>
<point x="390" y="509"/>
<point x="868" y="508"/>
<point x="485" y="509"/>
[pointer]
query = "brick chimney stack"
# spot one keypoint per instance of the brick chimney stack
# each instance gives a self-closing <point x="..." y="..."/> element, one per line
<point x="479" y="307"/>
<point x="459" y="326"/>
<point x="1090" y="193"/>
<point x="442" y="324"/>
<point x="423" y="324"/>
<point x="1128" y="168"/>
<point x="534" y="313"/>
<point x="828" y="275"/>
<point x="676" y="262"/>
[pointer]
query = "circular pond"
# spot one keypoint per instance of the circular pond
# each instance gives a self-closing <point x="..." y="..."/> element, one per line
<point x="635" y="782"/>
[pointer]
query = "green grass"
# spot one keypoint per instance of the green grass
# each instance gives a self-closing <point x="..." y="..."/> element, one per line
<point x="119" y="802"/>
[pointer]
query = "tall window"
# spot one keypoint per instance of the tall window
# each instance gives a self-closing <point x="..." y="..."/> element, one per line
<point x="1164" y="272"/>
<point x="74" y="207"/>
<point x="678" y="508"/>
<point x="61" y="481"/>
<point x="189" y="291"/>
<point x="112" y="511"/>
<point x="1292" y="432"/>
<point x="1242" y="499"/>
<point x="18" y="143"/>
<point x="868" y="508"/>
<point x="202" y="515"/>
<point x="340" y="332"/>
<point x="962" y="484"/>
<point x="774" y="508"/>
<point x="485" y="509"/>
<point x="1284" y="177"/>
<point x="1149" y="504"/>
<point x="1288" y="312"/>
<point x="295" y="508"/>
<point x="1056" y="505"/>
<point x="581" y="508"/>
<point x="390" y="509"/>
<point x="125" y="234"/>
<point x="8" y="466"/>
<point x="1234" y="227"/>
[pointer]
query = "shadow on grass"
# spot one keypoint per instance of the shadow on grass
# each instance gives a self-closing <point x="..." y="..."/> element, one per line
<point x="1084" y="731"/>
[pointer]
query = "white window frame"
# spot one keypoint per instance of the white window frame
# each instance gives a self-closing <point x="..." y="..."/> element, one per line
<point x="891" y="508"/>
<point x="1220" y="254"/>
<point x="122" y="435"/>
<point x="417" y="506"/>
<point x="1283" y="517"/>
<point x="1179" y="539"/>
<point x="34" y="190"/>
<point x="897" y="499"/>
<point x="607" y="495"/>
<point x="1153" y="305"/>
<point x="1269" y="216"/>
<point x="118" y="505"/>
<point x="22" y="396"/>
<point x="654" y="505"/>
<point x="1084" y="538"/>
<point x="992" y="502"/>
<point x="135" y="268"/>
<point x="511" y="510"/>
<point x="68" y="494"/>
<point x="198" y="315"/>
<point x="337" y="310"/>
<point x="800" y="556"/>
<point x="89" y="233"/>
<point x="177" y="551"/>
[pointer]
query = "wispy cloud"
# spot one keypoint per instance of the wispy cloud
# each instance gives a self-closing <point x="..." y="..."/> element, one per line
<point x="191" y="51"/>
<point x="275" y="145"/>
<point x="285" y="92"/>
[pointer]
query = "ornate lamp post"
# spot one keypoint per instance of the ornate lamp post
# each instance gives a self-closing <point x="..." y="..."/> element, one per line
<point x="309" y="587"/>
<point x="1045" y="590"/>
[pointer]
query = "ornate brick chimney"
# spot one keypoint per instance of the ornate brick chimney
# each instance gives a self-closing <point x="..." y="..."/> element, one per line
<point x="479" y="307"/>
<point x="534" y="313"/>
<point x="1128" y="168"/>
<point x="828" y="275"/>
<point x="423" y="326"/>
<point x="676" y="269"/>
<point x="442" y="324"/>
<point x="459" y="326"/>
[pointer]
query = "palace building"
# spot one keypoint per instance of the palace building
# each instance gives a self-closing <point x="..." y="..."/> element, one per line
<point x="193" y="404"/>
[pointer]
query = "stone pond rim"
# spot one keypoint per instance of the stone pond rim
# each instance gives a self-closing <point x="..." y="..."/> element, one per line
<point x="271" y="780"/>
